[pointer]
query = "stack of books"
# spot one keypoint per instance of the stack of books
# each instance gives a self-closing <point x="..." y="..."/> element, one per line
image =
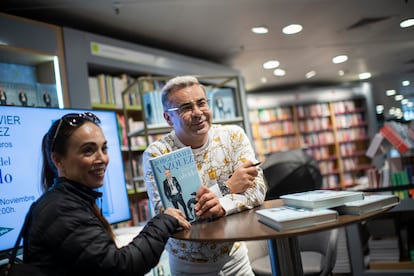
<point x="384" y="249"/>
<point x="322" y="206"/>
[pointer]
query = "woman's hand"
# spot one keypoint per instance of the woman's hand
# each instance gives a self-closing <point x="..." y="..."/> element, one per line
<point x="179" y="216"/>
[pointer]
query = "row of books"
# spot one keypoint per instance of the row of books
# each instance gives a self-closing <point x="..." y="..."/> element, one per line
<point x="349" y="120"/>
<point x="345" y="135"/>
<point x="107" y="89"/>
<point x="322" y="206"/>
<point x="272" y="114"/>
<point x="314" y="124"/>
<point x="273" y="129"/>
<point x="314" y="110"/>
<point x="348" y="149"/>
<point x="276" y="144"/>
<point x="344" y="106"/>
<point x="319" y="138"/>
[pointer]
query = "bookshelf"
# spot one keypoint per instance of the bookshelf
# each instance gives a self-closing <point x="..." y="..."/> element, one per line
<point x="32" y="71"/>
<point x="333" y="125"/>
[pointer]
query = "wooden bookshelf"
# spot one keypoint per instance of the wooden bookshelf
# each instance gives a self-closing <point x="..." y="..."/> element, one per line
<point x="335" y="131"/>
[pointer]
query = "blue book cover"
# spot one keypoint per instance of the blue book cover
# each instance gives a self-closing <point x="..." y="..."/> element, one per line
<point x="177" y="180"/>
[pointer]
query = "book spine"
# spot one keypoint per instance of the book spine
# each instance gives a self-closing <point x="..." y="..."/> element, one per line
<point x="394" y="138"/>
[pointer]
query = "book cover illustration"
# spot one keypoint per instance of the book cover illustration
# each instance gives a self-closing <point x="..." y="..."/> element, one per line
<point x="285" y="218"/>
<point x="370" y="203"/>
<point x="177" y="179"/>
<point x="222" y="103"/>
<point x="321" y="198"/>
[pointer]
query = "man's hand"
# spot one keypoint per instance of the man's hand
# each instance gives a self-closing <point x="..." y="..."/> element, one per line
<point x="208" y="205"/>
<point x="242" y="178"/>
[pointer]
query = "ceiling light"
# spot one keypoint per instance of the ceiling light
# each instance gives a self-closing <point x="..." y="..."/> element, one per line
<point x="292" y="29"/>
<point x="364" y="76"/>
<point x="405" y="83"/>
<point x="340" y="59"/>
<point x="310" y="74"/>
<point x="341" y="72"/>
<point x="410" y="104"/>
<point x="407" y="23"/>
<point x="279" y="72"/>
<point x="271" y="64"/>
<point x="390" y="92"/>
<point x="260" y="30"/>
<point x="380" y="109"/>
<point x="398" y="97"/>
<point x="263" y="80"/>
<point x="404" y="101"/>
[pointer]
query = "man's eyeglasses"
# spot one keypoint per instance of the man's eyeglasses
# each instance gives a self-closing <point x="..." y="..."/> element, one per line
<point x="74" y="120"/>
<point x="185" y="108"/>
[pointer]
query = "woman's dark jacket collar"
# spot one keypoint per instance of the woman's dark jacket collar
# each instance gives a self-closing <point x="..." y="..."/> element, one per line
<point x="77" y="188"/>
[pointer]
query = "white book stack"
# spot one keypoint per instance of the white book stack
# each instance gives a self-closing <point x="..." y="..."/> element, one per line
<point x="342" y="264"/>
<point x="385" y="249"/>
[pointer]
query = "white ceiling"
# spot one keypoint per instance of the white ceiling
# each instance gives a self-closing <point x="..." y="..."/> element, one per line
<point x="219" y="31"/>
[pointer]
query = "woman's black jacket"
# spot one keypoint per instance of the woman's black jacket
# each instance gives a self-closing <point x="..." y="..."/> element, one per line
<point x="65" y="237"/>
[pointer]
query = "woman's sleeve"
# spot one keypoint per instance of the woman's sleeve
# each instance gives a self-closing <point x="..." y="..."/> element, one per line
<point x="90" y="249"/>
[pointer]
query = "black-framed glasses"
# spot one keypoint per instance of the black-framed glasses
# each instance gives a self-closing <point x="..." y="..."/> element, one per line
<point x="74" y="120"/>
<point x="185" y="108"/>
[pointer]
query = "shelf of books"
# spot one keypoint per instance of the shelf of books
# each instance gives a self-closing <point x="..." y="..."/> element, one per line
<point x="333" y="132"/>
<point x="392" y="148"/>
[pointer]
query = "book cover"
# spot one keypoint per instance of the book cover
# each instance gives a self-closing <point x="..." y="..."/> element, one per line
<point x="222" y="103"/>
<point x="369" y="204"/>
<point x="286" y="218"/>
<point x="321" y="198"/>
<point x="177" y="179"/>
<point x="396" y="135"/>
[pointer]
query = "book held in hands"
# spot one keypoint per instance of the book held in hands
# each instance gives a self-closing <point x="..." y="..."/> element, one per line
<point x="370" y="203"/>
<point x="321" y="198"/>
<point x="177" y="180"/>
<point x="286" y="218"/>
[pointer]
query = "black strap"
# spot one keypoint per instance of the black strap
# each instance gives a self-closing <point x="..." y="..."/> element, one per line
<point x="27" y="220"/>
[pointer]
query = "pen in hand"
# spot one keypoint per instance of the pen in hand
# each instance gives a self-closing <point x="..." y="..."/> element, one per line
<point x="256" y="164"/>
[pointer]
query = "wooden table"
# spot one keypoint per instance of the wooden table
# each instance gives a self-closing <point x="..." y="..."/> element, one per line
<point x="245" y="226"/>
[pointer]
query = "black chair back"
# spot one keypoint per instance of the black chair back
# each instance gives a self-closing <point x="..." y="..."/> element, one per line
<point x="289" y="172"/>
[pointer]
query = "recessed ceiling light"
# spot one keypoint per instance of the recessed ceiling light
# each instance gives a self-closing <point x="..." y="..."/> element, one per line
<point x="364" y="76"/>
<point x="292" y="29"/>
<point x="279" y="72"/>
<point x="404" y="101"/>
<point x="263" y="80"/>
<point x="379" y="108"/>
<point x="271" y="64"/>
<point x="398" y="97"/>
<point x="410" y="104"/>
<point x="341" y="72"/>
<point x="407" y="23"/>
<point x="390" y="92"/>
<point x="340" y="59"/>
<point x="260" y="30"/>
<point x="405" y="83"/>
<point x="310" y="74"/>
